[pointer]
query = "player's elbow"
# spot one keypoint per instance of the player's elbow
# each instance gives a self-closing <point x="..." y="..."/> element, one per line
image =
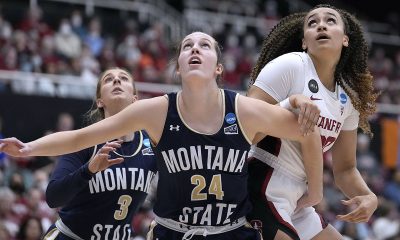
<point x="51" y="198"/>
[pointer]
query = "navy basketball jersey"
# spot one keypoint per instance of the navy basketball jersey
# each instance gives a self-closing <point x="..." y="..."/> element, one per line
<point x="203" y="177"/>
<point x="104" y="206"/>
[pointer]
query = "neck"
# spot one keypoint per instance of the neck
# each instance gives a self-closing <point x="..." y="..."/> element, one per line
<point x="325" y="68"/>
<point x="112" y="110"/>
<point x="199" y="100"/>
<point x="202" y="110"/>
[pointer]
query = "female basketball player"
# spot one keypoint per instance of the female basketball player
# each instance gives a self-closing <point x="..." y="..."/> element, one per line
<point x="201" y="135"/>
<point x="332" y="73"/>
<point x="100" y="188"/>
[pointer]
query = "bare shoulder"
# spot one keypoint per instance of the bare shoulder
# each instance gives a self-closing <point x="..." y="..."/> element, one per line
<point x="160" y="100"/>
<point x="153" y="115"/>
<point x="250" y="105"/>
<point x="249" y="112"/>
<point x="259" y="117"/>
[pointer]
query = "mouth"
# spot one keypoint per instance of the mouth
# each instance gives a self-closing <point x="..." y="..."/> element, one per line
<point x="322" y="37"/>
<point x="194" y="60"/>
<point x="117" y="90"/>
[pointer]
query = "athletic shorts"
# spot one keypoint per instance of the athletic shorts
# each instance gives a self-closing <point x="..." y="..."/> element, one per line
<point x="245" y="232"/>
<point x="274" y="198"/>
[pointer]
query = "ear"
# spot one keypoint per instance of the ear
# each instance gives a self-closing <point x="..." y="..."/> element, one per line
<point x="303" y="45"/>
<point x="135" y="98"/>
<point x="220" y="69"/>
<point x="99" y="103"/>
<point x="345" y="41"/>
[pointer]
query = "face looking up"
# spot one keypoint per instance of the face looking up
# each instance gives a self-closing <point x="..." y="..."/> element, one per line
<point x="324" y="30"/>
<point x="115" y="84"/>
<point x="198" y="57"/>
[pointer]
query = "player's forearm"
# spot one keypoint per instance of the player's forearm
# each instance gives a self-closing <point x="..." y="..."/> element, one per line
<point x="55" y="144"/>
<point x="313" y="163"/>
<point x="358" y="187"/>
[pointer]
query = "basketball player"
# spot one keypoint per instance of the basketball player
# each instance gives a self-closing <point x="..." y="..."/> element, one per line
<point x="332" y="73"/>
<point x="100" y="188"/>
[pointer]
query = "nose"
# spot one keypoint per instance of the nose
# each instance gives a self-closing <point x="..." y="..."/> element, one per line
<point x="321" y="26"/>
<point x="195" y="49"/>
<point x="116" y="80"/>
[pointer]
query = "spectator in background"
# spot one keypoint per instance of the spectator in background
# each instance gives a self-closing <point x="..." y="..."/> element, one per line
<point x="30" y="229"/>
<point x="392" y="188"/>
<point x="34" y="205"/>
<point x="4" y="232"/>
<point x="33" y="23"/>
<point x="8" y="219"/>
<point x="77" y="26"/>
<point x="355" y="231"/>
<point x="387" y="224"/>
<point x="129" y="53"/>
<point x="5" y="30"/>
<point x="17" y="184"/>
<point x="93" y="38"/>
<point x="67" y="43"/>
<point x="65" y="122"/>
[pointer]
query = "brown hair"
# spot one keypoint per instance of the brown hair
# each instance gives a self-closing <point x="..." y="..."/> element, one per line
<point x="95" y="113"/>
<point x="351" y="72"/>
<point x="218" y="50"/>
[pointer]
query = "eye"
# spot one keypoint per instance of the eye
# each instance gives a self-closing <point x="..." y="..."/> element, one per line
<point x="205" y="45"/>
<point x="331" y="20"/>
<point x="108" y="79"/>
<point x="311" y="23"/>
<point x="186" y="46"/>
<point x="125" y="79"/>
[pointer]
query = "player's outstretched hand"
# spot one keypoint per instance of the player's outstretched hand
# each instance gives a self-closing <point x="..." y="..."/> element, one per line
<point x="363" y="208"/>
<point x="101" y="160"/>
<point x="14" y="147"/>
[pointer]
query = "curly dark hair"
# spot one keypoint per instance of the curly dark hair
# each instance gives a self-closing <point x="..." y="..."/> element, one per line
<point x="351" y="73"/>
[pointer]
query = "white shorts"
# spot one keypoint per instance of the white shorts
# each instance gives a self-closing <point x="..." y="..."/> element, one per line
<point x="281" y="195"/>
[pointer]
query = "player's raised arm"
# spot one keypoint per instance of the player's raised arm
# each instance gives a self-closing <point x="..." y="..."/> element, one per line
<point x="133" y="118"/>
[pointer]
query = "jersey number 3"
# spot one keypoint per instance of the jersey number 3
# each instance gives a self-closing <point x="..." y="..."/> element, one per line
<point x="124" y="201"/>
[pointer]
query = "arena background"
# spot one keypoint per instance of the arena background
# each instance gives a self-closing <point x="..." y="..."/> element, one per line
<point x="48" y="75"/>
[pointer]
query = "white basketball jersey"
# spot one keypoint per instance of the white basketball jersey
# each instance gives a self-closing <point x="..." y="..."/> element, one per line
<point x="337" y="111"/>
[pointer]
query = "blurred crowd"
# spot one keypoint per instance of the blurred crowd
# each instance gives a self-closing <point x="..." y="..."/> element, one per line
<point x="81" y="46"/>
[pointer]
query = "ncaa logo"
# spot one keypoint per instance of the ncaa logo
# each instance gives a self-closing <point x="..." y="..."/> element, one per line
<point x="313" y="86"/>
<point x="146" y="142"/>
<point x="343" y="98"/>
<point x="230" y="118"/>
